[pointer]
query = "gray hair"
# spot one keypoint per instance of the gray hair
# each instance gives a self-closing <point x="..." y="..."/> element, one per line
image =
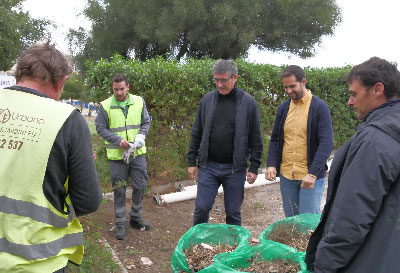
<point x="225" y="66"/>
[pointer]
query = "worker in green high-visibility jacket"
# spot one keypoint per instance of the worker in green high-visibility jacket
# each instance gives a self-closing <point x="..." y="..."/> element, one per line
<point x="123" y="122"/>
<point x="47" y="173"/>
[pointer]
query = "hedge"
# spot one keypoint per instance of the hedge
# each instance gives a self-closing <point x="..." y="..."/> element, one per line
<point x="172" y="91"/>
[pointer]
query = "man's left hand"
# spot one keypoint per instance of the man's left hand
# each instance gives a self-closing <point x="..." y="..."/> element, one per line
<point x="139" y="141"/>
<point x="308" y="182"/>
<point x="251" y="177"/>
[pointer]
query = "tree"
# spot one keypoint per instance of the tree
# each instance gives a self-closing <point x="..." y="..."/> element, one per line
<point x="296" y="26"/>
<point x="200" y="28"/>
<point x="75" y="88"/>
<point x="17" y="31"/>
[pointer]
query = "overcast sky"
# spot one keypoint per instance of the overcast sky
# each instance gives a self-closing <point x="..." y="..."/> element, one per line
<point x="369" y="28"/>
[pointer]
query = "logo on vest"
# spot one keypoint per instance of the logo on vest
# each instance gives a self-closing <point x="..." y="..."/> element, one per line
<point x="19" y="126"/>
<point x="5" y="115"/>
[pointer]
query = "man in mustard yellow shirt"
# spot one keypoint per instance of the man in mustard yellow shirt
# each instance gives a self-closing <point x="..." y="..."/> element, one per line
<point x="300" y="144"/>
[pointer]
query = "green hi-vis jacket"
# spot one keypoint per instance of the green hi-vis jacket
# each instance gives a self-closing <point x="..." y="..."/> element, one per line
<point x="127" y="128"/>
<point x="34" y="235"/>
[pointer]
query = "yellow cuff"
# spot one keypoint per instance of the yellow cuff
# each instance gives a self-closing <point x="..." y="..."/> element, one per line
<point x="312" y="175"/>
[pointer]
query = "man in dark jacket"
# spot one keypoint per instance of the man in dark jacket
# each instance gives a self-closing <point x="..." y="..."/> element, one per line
<point x="300" y="144"/>
<point x="359" y="228"/>
<point x="225" y="135"/>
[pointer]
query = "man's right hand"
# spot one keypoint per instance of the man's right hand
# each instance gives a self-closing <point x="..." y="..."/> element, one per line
<point x="270" y="174"/>
<point x="193" y="172"/>
<point x="124" y="144"/>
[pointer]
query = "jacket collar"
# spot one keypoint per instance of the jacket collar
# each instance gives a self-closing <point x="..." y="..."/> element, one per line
<point x="27" y="90"/>
<point x="114" y="100"/>
<point x="238" y="96"/>
<point x="378" y="109"/>
<point x="383" y="113"/>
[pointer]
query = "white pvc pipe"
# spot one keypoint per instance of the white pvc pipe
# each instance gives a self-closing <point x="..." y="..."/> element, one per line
<point x="190" y="192"/>
<point x="176" y="197"/>
<point x="260" y="181"/>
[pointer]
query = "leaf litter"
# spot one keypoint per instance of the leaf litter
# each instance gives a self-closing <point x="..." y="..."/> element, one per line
<point x="202" y="255"/>
<point x="290" y="235"/>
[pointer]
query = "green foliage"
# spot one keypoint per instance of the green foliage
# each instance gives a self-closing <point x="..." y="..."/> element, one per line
<point x="74" y="87"/>
<point x="296" y="26"/>
<point x="17" y="31"/>
<point x="172" y="91"/>
<point x="165" y="86"/>
<point x="201" y="28"/>
<point x="101" y="162"/>
<point x="329" y="85"/>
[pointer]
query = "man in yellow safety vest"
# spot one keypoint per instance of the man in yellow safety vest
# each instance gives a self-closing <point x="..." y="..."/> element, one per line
<point x="123" y="122"/>
<point x="47" y="173"/>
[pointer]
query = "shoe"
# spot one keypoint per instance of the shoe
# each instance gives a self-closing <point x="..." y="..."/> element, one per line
<point x="120" y="235"/>
<point x="140" y="224"/>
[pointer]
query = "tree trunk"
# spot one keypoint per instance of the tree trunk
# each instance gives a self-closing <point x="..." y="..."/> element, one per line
<point x="184" y="47"/>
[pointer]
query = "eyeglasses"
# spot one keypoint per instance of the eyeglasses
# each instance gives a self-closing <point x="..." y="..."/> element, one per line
<point x="222" y="80"/>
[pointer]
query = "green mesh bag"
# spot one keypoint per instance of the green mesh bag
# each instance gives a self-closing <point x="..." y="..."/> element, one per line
<point x="239" y="260"/>
<point x="217" y="268"/>
<point x="209" y="234"/>
<point x="301" y="222"/>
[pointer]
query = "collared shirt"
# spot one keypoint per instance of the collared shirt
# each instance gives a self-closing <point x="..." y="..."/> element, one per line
<point x="294" y="154"/>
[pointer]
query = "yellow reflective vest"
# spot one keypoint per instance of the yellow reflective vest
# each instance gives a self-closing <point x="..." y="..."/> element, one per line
<point x="126" y="127"/>
<point x="34" y="235"/>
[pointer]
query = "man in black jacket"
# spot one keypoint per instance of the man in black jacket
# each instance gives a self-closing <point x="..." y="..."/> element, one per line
<point x="359" y="228"/>
<point x="225" y="136"/>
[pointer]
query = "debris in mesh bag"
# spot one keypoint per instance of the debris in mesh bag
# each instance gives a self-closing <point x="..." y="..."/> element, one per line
<point x="253" y="241"/>
<point x="275" y="266"/>
<point x="290" y="235"/>
<point x="200" y="256"/>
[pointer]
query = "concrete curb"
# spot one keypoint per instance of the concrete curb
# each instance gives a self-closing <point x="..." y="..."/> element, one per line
<point x="114" y="255"/>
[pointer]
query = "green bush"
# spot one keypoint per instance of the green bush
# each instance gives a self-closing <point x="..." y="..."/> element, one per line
<point x="101" y="162"/>
<point x="172" y="91"/>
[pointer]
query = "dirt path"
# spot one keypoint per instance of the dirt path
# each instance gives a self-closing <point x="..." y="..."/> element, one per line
<point x="262" y="207"/>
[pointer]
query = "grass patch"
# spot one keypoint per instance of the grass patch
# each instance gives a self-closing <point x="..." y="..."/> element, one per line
<point x="134" y="252"/>
<point x="257" y="205"/>
<point x="92" y="126"/>
<point x="97" y="257"/>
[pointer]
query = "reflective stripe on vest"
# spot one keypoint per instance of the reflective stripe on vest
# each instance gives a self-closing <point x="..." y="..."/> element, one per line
<point x="122" y="129"/>
<point x="127" y="128"/>
<point x="37" y="213"/>
<point x="33" y="233"/>
<point x="41" y="251"/>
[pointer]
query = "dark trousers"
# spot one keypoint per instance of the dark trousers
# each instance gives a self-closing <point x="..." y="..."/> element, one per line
<point x="121" y="174"/>
<point x="209" y="180"/>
